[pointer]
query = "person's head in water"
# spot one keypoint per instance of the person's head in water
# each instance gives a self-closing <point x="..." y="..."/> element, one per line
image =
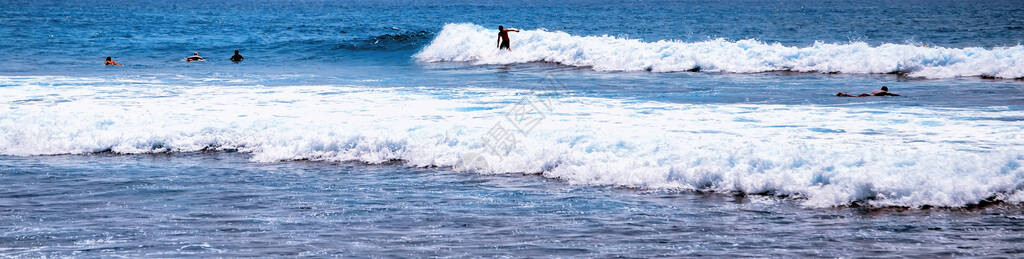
<point x="885" y="88"/>
<point x="237" y="57"/>
<point x="195" y="53"/>
<point x="110" y="62"/>
<point x="500" y="28"/>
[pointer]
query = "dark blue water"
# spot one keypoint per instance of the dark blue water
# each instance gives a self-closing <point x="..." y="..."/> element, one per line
<point x="679" y="128"/>
<point x="346" y="42"/>
<point x="73" y="35"/>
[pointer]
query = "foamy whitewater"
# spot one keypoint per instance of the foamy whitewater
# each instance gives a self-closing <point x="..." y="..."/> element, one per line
<point x="823" y="156"/>
<point x="473" y="43"/>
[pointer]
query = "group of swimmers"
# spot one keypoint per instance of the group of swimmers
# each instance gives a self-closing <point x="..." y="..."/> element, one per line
<point x="504" y="43"/>
<point x="195" y="57"/>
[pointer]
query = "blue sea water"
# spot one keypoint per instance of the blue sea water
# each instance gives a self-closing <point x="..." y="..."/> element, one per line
<point x="372" y="128"/>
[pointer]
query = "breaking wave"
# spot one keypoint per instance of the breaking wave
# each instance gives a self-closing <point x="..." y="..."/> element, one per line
<point x="823" y="156"/>
<point x="473" y="43"/>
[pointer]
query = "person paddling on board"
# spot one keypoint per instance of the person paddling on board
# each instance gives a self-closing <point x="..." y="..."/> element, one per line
<point x="884" y="91"/>
<point x="881" y="92"/>
<point x="503" y="42"/>
<point x="195" y="57"/>
<point x="110" y="62"/>
<point x="237" y="57"/>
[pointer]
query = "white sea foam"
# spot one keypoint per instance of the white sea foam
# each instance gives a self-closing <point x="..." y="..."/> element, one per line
<point x="473" y="43"/>
<point x="828" y="156"/>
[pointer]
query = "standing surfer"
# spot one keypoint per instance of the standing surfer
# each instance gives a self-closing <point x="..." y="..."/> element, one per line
<point x="503" y="42"/>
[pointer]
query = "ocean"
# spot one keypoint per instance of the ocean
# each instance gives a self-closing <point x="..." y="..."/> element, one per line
<point x="610" y="129"/>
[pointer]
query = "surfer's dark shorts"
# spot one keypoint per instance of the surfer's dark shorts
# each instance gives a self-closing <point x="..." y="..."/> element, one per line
<point x="504" y="45"/>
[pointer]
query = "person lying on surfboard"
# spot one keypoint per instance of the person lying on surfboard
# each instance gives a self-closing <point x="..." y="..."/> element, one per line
<point x="195" y="57"/>
<point x="503" y="42"/>
<point x="110" y="62"/>
<point x="881" y="92"/>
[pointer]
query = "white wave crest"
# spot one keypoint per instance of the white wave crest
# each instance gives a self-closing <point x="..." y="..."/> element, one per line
<point x="829" y="156"/>
<point x="473" y="43"/>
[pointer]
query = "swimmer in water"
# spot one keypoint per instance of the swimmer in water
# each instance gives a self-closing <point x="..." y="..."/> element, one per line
<point x="110" y="62"/>
<point x="503" y="41"/>
<point x="881" y="92"/>
<point x="195" y="57"/>
<point x="237" y="57"/>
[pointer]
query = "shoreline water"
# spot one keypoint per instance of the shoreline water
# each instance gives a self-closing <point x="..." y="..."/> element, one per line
<point x="335" y="209"/>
